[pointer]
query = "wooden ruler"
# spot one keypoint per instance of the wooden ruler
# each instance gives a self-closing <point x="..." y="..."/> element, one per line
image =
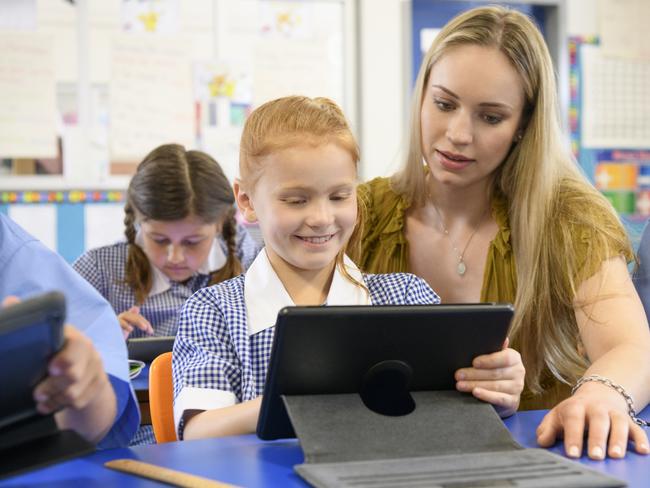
<point x="165" y="475"/>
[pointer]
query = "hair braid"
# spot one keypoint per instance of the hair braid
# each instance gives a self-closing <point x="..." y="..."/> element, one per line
<point x="137" y="273"/>
<point x="233" y="266"/>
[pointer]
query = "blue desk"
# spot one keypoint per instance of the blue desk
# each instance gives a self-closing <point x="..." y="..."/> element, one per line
<point x="247" y="461"/>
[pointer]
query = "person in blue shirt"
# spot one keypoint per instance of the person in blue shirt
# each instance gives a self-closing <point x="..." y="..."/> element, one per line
<point x="88" y="381"/>
<point x="298" y="166"/>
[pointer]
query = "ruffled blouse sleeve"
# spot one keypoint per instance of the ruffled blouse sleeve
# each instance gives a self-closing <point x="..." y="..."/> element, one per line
<point x="383" y="247"/>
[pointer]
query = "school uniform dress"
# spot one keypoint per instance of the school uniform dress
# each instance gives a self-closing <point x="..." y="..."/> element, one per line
<point x="225" y="333"/>
<point x="104" y="267"/>
<point x="28" y="268"/>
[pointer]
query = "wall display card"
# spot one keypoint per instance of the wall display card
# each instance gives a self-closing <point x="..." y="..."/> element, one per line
<point x="150" y="95"/>
<point x="104" y="224"/>
<point x="28" y="117"/>
<point x="616" y="101"/>
<point x="295" y="47"/>
<point x="18" y="14"/>
<point x="37" y="219"/>
<point x="284" y="67"/>
<point x="160" y="16"/>
<point x="623" y="28"/>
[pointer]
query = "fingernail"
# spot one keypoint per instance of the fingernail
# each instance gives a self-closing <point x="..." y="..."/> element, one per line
<point x="616" y="451"/>
<point x="573" y="451"/>
<point x="461" y="376"/>
<point x="597" y="452"/>
<point x="55" y="370"/>
<point x="462" y="384"/>
<point x="643" y="447"/>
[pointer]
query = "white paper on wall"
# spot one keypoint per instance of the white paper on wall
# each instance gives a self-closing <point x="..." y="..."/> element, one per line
<point x="616" y="100"/>
<point x="624" y="28"/>
<point x="18" y="14"/>
<point x="104" y="224"/>
<point x="150" y="95"/>
<point x="37" y="219"/>
<point x="27" y="96"/>
<point x="59" y="21"/>
<point x="286" y="67"/>
<point x="223" y="145"/>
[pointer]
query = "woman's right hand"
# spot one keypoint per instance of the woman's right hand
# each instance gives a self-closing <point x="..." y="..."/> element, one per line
<point x="132" y="318"/>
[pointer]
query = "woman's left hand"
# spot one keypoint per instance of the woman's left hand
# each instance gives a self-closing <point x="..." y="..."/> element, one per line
<point x="603" y="412"/>
<point x="496" y="378"/>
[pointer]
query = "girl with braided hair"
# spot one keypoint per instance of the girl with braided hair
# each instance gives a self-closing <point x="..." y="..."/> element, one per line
<point x="181" y="235"/>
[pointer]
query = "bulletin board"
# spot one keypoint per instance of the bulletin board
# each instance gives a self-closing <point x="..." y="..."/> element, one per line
<point x="88" y="88"/>
<point x="610" y="127"/>
<point x="93" y="85"/>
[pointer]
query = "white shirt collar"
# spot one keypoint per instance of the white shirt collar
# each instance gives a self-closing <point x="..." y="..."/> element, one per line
<point x="161" y="283"/>
<point x="265" y="295"/>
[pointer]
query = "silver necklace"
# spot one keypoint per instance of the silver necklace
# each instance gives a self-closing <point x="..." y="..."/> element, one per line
<point x="461" y="267"/>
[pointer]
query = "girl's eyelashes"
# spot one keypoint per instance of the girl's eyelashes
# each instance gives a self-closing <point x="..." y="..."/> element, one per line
<point x="293" y="201"/>
<point x="166" y="242"/>
<point x="340" y="196"/>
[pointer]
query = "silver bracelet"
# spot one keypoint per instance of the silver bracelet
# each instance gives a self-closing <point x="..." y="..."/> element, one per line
<point x="628" y="398"/>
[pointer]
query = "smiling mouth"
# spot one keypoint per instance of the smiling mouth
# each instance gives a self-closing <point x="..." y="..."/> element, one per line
<point x="316" y="239"/>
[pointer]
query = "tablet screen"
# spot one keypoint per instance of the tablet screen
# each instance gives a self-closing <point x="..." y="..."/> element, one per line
<point x="359" y="349"/>
<point x="30" y="334"/>
<point x="149" y="348"/>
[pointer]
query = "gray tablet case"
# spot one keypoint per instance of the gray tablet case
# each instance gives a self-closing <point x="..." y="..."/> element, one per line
<point x="368" y="349"/>
<point x="450" y="440"/>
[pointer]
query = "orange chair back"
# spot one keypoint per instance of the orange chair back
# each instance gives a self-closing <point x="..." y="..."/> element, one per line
<point x="161" y="398"/>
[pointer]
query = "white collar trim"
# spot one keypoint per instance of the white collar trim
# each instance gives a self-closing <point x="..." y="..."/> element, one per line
<point x="265" y="295"/>
<point x="161" y="283"/>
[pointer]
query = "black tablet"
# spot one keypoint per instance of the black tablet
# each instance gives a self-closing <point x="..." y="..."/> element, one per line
<point x="149" y="348"/>
<point x="368" y="349"/>
<point x="31" y="332"/>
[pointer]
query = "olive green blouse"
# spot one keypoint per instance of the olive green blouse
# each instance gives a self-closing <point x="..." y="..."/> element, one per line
<point x="384" y="249"/>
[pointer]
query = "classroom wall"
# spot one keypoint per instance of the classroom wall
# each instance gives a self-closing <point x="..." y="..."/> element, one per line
<point x="378" y="84"/>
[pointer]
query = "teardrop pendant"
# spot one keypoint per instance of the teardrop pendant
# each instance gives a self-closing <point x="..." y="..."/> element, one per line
<point x="461" y="268"/>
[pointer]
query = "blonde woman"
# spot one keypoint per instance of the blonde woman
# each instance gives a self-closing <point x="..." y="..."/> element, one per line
<point x="490" y="206"/>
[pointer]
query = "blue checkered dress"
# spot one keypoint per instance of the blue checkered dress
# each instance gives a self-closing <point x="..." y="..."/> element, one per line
<point x="214" y="351"/>
<point x="103" y="268"/>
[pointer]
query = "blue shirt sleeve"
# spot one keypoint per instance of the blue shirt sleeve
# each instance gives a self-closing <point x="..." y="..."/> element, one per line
<point x="29" y="268"/>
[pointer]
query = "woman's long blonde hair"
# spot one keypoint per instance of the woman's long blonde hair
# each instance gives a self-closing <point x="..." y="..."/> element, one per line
<point x="548" y="197"/>
<point x="291" y="121"/>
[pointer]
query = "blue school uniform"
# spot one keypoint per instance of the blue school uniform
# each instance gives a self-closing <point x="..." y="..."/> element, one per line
<point x="28" y="268"/>
<point x="104" y="268"/>
<point x="225" y="333"/>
